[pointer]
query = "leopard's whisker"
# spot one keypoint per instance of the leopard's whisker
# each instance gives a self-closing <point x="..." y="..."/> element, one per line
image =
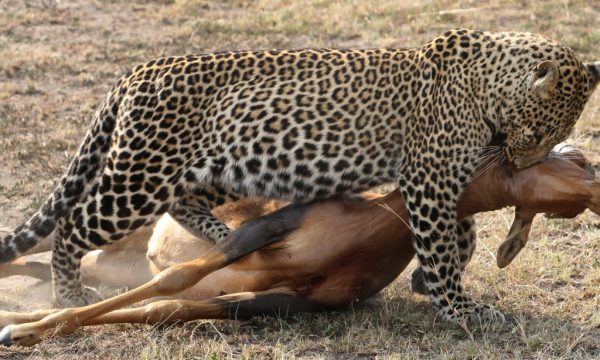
<point x="470" y="151"/>
<point x="493" y="162"/>
<point x="479" y="152"/>
<point x="475" y="162"/>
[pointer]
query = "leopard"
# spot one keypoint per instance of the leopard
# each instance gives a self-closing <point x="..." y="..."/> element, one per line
<point x="185" y="134"/>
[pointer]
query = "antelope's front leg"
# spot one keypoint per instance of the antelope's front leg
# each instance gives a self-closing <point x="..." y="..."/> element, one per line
<point x="517" y="238"/>
<point x="431" y="192"/>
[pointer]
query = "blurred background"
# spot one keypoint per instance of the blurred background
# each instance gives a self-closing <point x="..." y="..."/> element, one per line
<point x="59" y="58"/>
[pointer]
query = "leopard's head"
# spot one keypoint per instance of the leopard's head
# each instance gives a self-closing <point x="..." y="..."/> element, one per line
<point x="547" y="101"/>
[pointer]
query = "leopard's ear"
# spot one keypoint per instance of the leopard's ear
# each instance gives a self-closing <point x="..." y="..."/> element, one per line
<point x="594" y="70"/>
<point x="544" y="79"/>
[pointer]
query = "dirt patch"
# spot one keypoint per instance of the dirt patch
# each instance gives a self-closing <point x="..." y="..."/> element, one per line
<point x="23" y="293"/>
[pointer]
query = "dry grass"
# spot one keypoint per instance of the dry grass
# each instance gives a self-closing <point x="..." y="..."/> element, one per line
<point x="57" y="61"/>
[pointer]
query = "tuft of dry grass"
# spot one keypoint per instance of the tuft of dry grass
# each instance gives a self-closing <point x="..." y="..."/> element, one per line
<point x="60" y="58"/>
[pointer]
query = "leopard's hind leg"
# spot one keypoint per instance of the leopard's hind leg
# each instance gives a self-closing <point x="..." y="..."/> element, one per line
<point x="193" y="211"/>
<point x="107" y="214"/>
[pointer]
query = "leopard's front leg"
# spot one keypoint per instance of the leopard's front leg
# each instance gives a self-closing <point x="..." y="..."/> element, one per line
<point x="431" y="188"/>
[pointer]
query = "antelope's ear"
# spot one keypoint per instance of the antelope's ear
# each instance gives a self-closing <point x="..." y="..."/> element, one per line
<point x="594" y="70"/>
<point x="544" y="79"/>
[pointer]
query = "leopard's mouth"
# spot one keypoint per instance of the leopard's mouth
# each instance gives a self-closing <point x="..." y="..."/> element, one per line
<point x="499" y="139"/>
<point x="522" y="160"/>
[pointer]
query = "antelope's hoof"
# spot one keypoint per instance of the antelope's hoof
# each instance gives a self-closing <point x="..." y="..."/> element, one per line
<point x="417" y="282"/>
<point x="5" y="336"/>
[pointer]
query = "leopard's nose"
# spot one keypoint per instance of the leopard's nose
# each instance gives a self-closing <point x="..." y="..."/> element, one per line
<point x="521" y="163"/>
<point x="524" y="162"/>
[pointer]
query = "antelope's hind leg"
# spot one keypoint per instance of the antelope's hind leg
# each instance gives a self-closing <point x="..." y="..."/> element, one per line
<point x="251" y="237"/>
<point x="234" y="306"/>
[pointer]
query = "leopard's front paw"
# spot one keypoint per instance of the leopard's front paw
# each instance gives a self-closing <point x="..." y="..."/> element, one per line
<point x="472" y="313"/>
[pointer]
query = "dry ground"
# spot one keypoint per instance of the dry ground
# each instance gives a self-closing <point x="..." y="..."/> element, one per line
<point x="57" y="60"/>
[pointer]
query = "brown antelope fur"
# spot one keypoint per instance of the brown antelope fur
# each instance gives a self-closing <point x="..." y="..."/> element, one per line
<point x="325" y="258"/>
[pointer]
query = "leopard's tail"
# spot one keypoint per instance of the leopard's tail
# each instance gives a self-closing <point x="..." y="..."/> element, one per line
<point x="74" y="185"/>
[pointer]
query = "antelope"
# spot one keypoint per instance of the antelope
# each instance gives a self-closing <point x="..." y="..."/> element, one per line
<point x="301" y="258"/>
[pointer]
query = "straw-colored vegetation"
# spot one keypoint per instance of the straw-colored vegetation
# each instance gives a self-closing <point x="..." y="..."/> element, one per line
<point x="58" y="59"/>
